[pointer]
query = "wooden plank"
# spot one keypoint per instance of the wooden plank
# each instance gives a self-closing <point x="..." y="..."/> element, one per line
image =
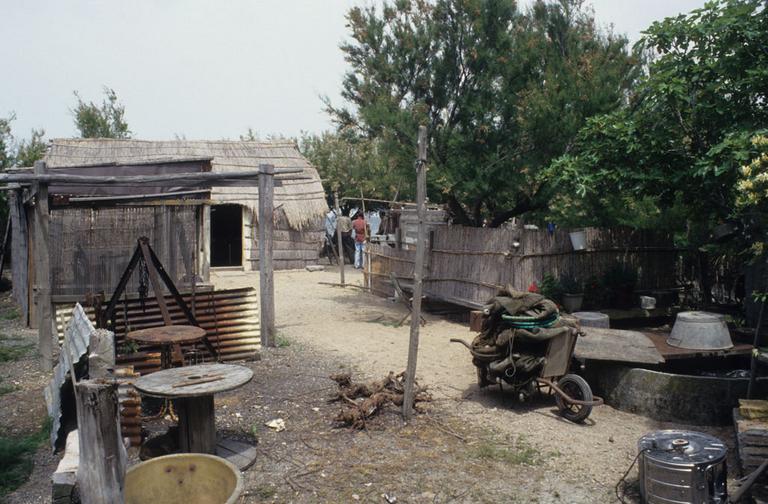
<point x="242" y="455"/>
<point x="617" y="346"/>
<point x="197" y="428"/>
<point x="266" y="274"/>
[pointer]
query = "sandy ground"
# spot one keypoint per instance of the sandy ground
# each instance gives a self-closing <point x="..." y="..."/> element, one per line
<point x="471" y="445"/>
<point x="358" y="328"/>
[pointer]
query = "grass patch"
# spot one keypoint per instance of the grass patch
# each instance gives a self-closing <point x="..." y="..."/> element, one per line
<point x="281" y="341"/>
<point x="519" y="453"/>
<point x="264" y="491"/>
<point x="7" y="389"/>
<point x="12" y="353"/>
<point x="16" y="458"/>
<point x="10" y="315"/>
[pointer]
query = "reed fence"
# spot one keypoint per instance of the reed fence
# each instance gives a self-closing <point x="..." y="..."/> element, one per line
<point x="466" y="265"/>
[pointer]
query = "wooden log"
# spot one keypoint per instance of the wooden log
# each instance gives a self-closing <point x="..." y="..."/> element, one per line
<point x="101" y="471"/>
<point x="197" y="428"/>
<point x="418" y="273"/>
<point x="44" y="307"/>
<point x="266" y="278"/>
<point x="200" y="179"/>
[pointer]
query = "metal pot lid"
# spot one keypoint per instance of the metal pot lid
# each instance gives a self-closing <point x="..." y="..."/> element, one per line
<point x="682" y="447"/>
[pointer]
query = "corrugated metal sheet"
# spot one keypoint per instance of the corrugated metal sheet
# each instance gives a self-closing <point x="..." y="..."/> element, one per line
<point x="230" y="318"/>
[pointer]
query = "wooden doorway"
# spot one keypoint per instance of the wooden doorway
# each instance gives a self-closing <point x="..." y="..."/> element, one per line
<point x="226" y="235"/>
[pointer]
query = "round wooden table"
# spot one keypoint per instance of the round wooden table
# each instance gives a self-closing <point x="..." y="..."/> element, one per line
<point x="167" y="336"/>
<point x="192" y="389"/>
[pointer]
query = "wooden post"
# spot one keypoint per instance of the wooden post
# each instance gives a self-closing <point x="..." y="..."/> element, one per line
<point x="101" y="470"/>
<point x="339" y="243"/>
<point x="266" y="280"/>
<point x="418" y="271"/>
<point x="197" y="428"/>
<point x="44" y="309"/>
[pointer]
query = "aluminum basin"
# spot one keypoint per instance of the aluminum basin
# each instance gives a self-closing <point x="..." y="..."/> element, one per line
<point x="185" y="478"/>
<point x="697" y="330"/>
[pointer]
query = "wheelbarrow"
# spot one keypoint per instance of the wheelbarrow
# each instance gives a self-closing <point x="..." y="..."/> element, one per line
<point x="532" y="368"/>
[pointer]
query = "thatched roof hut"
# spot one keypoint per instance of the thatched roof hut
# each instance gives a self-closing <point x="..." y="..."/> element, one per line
<point x="301" y="202"/>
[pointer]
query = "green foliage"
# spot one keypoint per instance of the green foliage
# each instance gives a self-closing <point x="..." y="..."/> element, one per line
<point x="551" y="288"/>
<point x="348" y="164"/>
<point x="678" y="146"/>
<point x="31" y="150"/>
<point x="503" y="92"/>
<point x="16" y="458"/>
<point x="101" y="121"/>
<point x="7" y="157"/>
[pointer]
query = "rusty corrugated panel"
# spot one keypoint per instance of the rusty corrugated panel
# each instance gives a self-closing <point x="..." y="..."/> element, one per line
<point x="130" y="404"/>
<point x="230" y="318"/>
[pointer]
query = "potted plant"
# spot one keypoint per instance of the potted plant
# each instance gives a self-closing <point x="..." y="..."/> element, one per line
<point x="573" y="293"/>
<point x="620" y="281"/>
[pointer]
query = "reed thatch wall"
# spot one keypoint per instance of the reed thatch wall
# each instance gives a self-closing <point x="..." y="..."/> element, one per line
<point x="302" y="201"/>
<point x="91" y="247"/>
<point x="468" y="265"/>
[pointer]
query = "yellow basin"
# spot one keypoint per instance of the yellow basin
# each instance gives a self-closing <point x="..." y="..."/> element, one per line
<point x="185" y="478"/>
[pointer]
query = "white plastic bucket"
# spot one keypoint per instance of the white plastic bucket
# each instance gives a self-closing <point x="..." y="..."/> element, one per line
<point x="579" y="239"/>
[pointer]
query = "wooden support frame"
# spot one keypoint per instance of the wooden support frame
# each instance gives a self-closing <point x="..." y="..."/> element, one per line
<point x="156" y="273"/>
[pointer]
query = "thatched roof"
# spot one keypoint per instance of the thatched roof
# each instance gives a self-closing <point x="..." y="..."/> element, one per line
<point x="303" y="201"/>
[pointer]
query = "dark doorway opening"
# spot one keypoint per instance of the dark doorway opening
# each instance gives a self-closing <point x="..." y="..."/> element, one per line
<point x="226" y="235"/>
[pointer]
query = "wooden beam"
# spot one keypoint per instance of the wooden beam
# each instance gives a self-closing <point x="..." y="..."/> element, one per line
<point x="418" y="273"/>
<point x="266" y="231"/>
<point x="44" y="308"/>
<point x="172" y="179"/>
<point x="339" y="242"/>
<point x="101" y="469"/>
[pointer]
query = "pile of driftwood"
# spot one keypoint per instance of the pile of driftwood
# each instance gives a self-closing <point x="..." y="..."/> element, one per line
<point x="361" y="401"/>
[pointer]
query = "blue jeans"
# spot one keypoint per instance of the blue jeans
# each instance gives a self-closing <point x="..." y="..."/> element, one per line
<point x="359" y="247"/>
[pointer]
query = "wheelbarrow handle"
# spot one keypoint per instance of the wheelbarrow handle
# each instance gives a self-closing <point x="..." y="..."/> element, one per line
<point x="596" y="401"/>
<point x="748" y="482"/>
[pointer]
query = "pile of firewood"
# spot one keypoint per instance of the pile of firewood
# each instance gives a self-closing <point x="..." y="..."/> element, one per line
<point x="361" y="401"/>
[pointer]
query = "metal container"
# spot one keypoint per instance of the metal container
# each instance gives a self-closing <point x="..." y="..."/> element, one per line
<point x="682" y="467"/>
<point x="593" y="319"/>
<point x="698" y="330"/>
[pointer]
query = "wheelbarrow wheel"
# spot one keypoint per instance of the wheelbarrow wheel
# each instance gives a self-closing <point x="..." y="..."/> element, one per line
<point x="577" y="388"/>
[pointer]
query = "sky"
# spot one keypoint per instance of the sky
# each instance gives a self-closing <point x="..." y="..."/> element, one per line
<point x="199" y="69"/>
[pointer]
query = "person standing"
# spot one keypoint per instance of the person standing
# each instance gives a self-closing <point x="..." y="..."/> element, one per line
<point x="359" y="226"/>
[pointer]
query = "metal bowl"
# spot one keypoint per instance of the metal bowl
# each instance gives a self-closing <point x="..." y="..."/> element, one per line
<point x="697" y="330"/>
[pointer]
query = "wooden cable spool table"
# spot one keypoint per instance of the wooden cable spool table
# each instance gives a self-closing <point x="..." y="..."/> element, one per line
<point x="192" y="389"/>
<point x="167" y="337"/>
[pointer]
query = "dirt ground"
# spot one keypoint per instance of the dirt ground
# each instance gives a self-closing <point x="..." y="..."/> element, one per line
<point x="471" y="446"/>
